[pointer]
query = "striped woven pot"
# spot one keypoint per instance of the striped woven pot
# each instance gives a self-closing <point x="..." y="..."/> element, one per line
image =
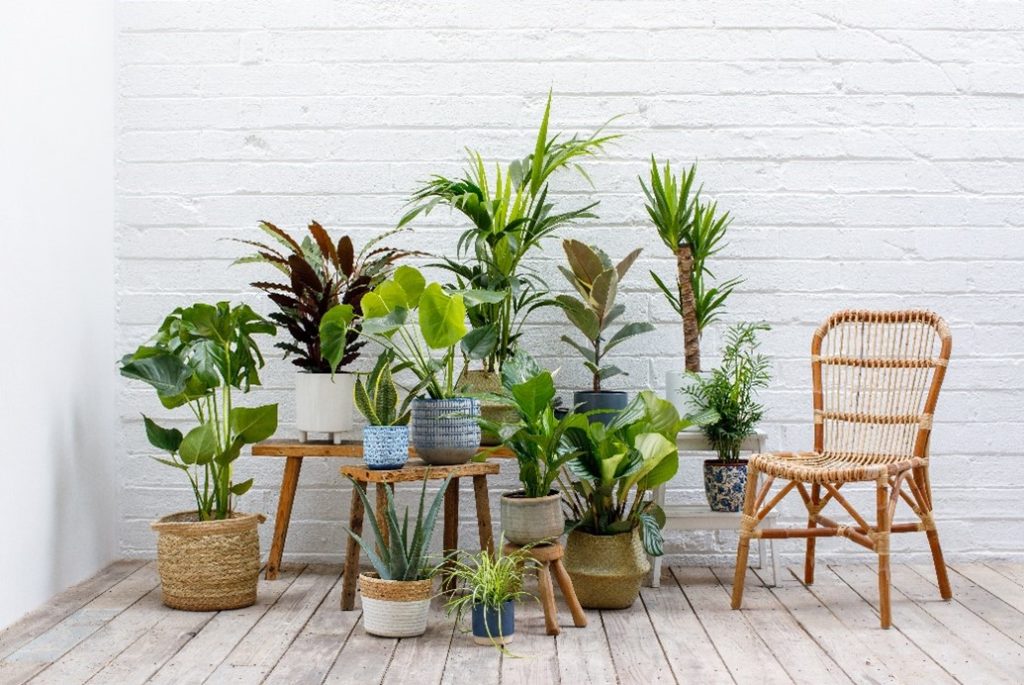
<point x="208" y="565"/>
<point x="395" y="608"/>
<point x="445" y="432"/>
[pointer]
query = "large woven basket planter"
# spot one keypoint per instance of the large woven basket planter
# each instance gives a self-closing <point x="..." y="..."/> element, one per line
<point x="208" y="565"/>
<point x="531" y="520"/>
<point x="395" y="608"/>
<point x="606" y="570"/>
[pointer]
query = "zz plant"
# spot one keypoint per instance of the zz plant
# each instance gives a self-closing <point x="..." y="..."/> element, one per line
<point x="596" y="279"/>
<point x="377" y="398"/>
<point x="198" y="357"/>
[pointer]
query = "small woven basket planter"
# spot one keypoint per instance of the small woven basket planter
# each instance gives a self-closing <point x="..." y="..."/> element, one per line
<point x="208" y="565"/>
<point x="395" y="608"/>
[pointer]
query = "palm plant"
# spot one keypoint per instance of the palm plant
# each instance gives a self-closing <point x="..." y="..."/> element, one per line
<point x="510" y="217"/>
<point x="596" y="279"/>
<point x="319" y="274"/>
<point x="694" y="231"/>
<point x="399" y="556"/>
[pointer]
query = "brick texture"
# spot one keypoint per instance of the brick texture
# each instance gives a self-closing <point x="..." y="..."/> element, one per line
<point x="870" y="152"/>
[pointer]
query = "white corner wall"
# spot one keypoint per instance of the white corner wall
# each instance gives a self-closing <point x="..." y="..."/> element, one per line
<point x="870" y="152"/>
<point x="59" y="476"/>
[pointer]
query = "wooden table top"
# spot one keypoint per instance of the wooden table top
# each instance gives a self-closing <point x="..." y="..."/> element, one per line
<point x="417" y="470"/>
<point x="347" y="448"/>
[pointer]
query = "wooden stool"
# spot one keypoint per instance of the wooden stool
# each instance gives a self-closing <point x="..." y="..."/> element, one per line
<point x="550" y="559"/>
<point x="416" y="470"/>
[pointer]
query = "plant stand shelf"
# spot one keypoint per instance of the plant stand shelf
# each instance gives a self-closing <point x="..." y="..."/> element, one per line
<point x="416" y="470"/>
<point x="699" y="516"/>
<point x="549" y="558"/>
<point x="294" y="451"/>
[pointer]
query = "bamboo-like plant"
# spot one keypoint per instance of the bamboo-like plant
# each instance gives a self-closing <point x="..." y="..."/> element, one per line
<point x="400" y="556"/>
<point x="596" y="279"/>
<point x="510" y="218"/>
<point x="694" y="231"/>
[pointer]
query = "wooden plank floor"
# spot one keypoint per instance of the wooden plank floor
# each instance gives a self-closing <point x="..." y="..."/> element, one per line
<point x="113" y="629"/>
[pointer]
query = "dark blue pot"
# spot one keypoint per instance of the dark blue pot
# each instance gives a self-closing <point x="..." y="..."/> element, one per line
<point x="385" y="447"/>
<point x="607" y="404"/>
<point x="489" y="627"/>
<point x="724" y="484"/>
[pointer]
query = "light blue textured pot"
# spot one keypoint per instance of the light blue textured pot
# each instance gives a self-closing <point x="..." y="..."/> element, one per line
<point x="385" y="447"/>
<point x="724" y="484"/>
<point x="445" y="432"/>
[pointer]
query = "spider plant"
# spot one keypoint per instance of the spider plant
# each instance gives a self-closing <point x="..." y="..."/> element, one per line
<point x="694" y="231"/>
<point x="510" y="215"/>
<point x="490" y="581"/>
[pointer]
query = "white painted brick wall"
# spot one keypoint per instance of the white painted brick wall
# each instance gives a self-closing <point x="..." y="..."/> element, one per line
<point x="871" y="153"/>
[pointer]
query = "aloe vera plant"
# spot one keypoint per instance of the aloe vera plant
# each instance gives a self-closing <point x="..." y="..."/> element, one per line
<point x="400" y="556"/>
<point x="596" y="279"/>
<point x="377" y="398"/>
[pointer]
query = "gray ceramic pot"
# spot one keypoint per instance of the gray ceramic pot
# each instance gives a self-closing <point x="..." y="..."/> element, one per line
<point x="609" y="402"/>
<point x="445" y="432"/>
<point x="530" y="520"/>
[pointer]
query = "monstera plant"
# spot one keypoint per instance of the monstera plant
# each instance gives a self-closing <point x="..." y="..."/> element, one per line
<point x="596" y="280"/>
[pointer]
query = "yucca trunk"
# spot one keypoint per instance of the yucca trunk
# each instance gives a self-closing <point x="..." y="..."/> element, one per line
<point x="691" y="334"/>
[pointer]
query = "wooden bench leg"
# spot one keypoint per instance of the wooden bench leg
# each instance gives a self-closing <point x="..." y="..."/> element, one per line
<point x="355" y="524"/>
<point x="284" y="514"/>
<point x="451" y="528"/>
<point x="579" y="619"/>
<point x="547" y="599"/>
<point x="381" y="509"/>
<point x="483" y="514"/>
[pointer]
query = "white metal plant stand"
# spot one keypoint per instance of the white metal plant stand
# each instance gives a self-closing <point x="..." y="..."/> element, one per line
<point x="700" y="516"/>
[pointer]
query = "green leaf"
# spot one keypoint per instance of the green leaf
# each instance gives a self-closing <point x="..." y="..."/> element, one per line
<point x="585" y="261"/>
<point x="537" y="165"/>
<point x="199" y="445"/>
<point x="580" y="316"/>
<point x="480" y="342"/>
<point x="239" y="489"/>
<point x="364" y="405"/>
<point x="164" y="371"/>
<point x="168" y="462"/>
<point x="412" y="282"/>
<point x="251" y="425"/>
<point x="651" y="536"/>
<point x="334" y="327"/>
<point x="167" y="439"/>
<point x="442" y="317"/>
<point x="475" y="297"/>
<point x="535" y="395"/>
<point x="628" y="331"/>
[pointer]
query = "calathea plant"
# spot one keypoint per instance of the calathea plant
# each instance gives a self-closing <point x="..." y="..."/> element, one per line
<point x="596" y="279"/>
<point x="694" y="231"/>
<point x="511" y="214"/>
<point x="198" y="357"/>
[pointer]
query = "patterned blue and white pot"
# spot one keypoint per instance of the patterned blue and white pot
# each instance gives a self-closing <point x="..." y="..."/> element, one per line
<point x="385" y="447"/>
<point x="445" y="432"/>
<point x="724" y="484"/>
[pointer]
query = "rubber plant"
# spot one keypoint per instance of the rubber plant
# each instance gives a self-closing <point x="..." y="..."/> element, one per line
<point x="199" y="356"/>
<point x="319" y="273"/>
<point x="510" y="214"/>
<point x="693" y="230"/>
<point x="596" y="279"/>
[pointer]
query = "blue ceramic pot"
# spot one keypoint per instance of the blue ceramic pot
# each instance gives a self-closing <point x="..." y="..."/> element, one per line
<point x="492" y="626"/>
<point x="724" y="484"/>
<point x="445" y="432"/>
<point x="385" y="447"/>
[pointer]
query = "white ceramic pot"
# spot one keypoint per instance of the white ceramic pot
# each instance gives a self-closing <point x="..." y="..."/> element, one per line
<point x="676" y="383"/>
<point x="323" y="404"/>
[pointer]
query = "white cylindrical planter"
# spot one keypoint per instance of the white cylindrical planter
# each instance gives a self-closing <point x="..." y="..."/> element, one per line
<point x="676" y="383"/>
<point x="323" y="404"/>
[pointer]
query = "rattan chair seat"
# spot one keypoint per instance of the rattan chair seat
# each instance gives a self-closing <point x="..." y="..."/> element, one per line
<point x="831" y="467"/>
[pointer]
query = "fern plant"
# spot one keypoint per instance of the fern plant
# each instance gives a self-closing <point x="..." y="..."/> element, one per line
<point x="377" y="398"/>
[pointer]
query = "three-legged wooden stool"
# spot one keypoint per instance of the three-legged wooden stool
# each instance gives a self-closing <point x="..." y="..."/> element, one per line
<point x="416" y="470"/>
<point x="550" y="559"/>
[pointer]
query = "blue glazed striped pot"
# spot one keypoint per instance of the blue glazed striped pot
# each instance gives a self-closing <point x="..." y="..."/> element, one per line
<point x="445" y="432"/>
<point x="724" y="484"/>
<point x="385" y="447"/>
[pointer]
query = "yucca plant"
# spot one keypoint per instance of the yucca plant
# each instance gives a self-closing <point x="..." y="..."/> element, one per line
<point x="377" y="398"/>
<point x="401" y="556"/>
<point x="596" y="279"/>
<point x="694" y="231"/>
<point x="510" y="214"/>
<point x="320" y="273"/>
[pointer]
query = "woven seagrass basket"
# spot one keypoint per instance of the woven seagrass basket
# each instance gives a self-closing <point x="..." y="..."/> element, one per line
<point x="393" y="608"/>
<point x="208" y="565"/>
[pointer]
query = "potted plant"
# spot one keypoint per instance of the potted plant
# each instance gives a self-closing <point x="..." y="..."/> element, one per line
<point x="319" y="273"/>
<point x="493" y="585"/>
<point x="510" y="214"/>
<point x="208" y="558"/>
<point x="613" y="521"/>
<point x="533" y="515"/>
<point x="386" y="435"/>
<point x="596" y="279"/>
<point x="728" y="394"/>
<point x="396" y="597"/>
<point x="693" y="230"/>
<point x="444" y="426"/>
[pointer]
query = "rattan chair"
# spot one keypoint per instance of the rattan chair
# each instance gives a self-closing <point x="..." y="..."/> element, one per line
<point x="876" y="378"/>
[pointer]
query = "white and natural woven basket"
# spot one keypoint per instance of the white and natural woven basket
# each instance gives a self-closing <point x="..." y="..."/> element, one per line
<point x="395" y="608"/>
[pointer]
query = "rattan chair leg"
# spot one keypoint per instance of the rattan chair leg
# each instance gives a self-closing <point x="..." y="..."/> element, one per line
<point x="743" y="546"/>
<point x="812" y="521"/>
<point x="882" y="548"/>
<point x="941" y="575"/>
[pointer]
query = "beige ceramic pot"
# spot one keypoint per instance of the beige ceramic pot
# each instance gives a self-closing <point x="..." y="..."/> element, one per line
<point x="475" y="382"/>
<point x="531" y="520"/>
<point x="606" y="570"/>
